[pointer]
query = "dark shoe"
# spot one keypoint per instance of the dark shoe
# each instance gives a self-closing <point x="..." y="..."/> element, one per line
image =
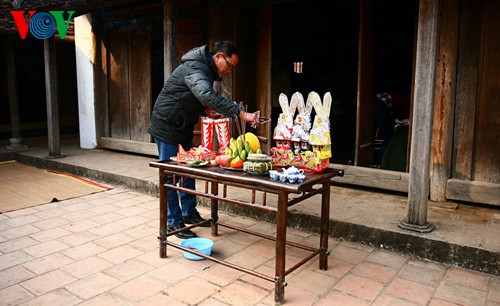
<point x="181" y="235"/>
<point x="195" y="217"/>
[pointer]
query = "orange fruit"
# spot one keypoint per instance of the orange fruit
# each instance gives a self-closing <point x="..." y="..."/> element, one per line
<point x="217" y="160"/>
<point x="236" y="163"/>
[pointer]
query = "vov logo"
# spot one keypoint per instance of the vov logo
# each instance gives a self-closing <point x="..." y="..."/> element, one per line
<point x="42" y="25"/>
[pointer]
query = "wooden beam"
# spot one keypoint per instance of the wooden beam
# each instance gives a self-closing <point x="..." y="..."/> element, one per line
<point x="370" y="177"/>
<point x="80" y="7"/>
<point x="133" y="146"/>
<point x="418" y="191"/>
<point x="474" y="191"/>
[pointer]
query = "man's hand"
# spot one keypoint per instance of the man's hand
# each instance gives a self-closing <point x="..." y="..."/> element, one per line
<point x="252" y="118"/>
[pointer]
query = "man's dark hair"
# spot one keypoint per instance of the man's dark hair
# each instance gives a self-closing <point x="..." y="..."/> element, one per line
<point x="226" y="47"/>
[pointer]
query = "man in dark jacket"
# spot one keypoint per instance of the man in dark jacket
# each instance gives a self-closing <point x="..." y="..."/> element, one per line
<point x="184" y="97"/>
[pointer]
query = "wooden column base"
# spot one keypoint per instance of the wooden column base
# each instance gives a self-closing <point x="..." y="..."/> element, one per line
<point x="426" y="228"/>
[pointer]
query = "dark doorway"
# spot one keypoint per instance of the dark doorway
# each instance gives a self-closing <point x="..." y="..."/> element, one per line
<point x="326" y="41"/>
<point x="30" y="82"/>
<point x="393" y="69"/>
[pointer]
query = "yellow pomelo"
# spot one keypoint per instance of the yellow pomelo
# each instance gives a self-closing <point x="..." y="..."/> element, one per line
<point x="253" y="141"/>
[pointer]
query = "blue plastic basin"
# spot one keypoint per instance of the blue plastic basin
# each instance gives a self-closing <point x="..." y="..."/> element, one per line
<point x="201" y="245"/>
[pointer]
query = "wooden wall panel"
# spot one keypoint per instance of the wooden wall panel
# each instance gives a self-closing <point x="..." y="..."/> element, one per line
<point x="101" y="96"/>
<point x="119" y="104"/>
<point x="245" y="75"/>
<point x="466" y="89"/>
<point x="444" y="101"/>
<point x="140" y="80"/>
<point x="191" y="33"/>
<point x="487" y="145"/>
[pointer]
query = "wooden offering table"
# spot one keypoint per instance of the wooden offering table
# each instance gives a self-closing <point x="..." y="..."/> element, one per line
<point x="215" y="176"/>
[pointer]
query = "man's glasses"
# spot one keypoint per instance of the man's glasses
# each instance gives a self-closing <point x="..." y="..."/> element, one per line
<point x="231" y="66"/>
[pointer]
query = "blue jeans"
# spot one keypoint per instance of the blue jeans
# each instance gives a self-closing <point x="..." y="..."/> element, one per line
<point x="187" y="201"/>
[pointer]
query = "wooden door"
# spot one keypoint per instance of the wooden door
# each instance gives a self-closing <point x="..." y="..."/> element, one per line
<point x="129" y="84"/>
<point x="134" y="73"/>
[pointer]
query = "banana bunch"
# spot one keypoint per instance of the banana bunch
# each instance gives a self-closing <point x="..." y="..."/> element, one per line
<point x="239" y="149"/>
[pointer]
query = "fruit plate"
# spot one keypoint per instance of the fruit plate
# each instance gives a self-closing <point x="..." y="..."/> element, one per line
<point x="197" y="164"/>
<point x="230" y="168"/>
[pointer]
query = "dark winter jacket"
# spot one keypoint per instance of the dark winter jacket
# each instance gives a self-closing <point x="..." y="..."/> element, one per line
<point x="184" y="97"/>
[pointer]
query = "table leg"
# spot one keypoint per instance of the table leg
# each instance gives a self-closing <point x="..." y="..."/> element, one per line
<point x="279" y="291"/>
<point x="325" y="225"/>
<point x="214" y="208"/>
<point x="163" y="214"/>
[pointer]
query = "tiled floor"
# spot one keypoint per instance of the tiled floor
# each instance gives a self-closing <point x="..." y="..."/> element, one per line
<point x="102" y="249"/>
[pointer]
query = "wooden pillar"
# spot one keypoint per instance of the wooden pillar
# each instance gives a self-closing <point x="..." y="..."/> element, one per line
<point x="16" y="142"/>
<point x="49" y="55"/>
<point x="425" y="68"/>
<point x="444" y="106"/>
